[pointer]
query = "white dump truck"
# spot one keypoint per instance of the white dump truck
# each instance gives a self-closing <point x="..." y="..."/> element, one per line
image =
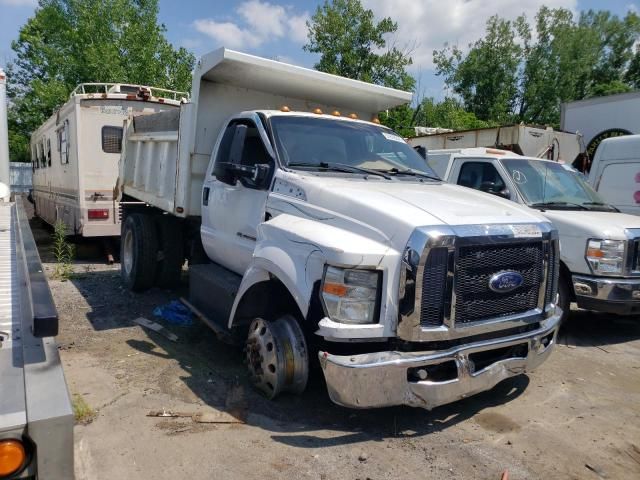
<point x="313" y="232"/>
<point x="599" y="253"/>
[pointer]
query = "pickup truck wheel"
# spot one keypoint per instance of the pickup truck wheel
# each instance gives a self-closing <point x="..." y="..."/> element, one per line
<point x="138" y="252"/>
<point x="277" y="356"/>
<point x="171" y="245"/>
<point x="564" y="298"/>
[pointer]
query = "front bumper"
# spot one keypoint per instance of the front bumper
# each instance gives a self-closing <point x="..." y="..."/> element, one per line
<point x="610" y="295"/>
<point x="382" y="379"/>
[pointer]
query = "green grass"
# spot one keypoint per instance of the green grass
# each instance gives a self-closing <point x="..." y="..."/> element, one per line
<point x="83" y="413"/>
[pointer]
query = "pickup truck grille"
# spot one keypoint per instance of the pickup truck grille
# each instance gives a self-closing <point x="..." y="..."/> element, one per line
<point x="475" y="265"/>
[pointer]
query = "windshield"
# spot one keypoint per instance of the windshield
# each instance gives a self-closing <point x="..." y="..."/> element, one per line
<point x="542" y="183"/>
<point x="304" y="142"/>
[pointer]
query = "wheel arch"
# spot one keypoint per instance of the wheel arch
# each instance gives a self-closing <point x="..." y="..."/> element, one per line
<point x="266" y="292"/>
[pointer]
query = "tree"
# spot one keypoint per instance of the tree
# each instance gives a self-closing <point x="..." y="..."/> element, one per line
<point x="519" y="73"/>
<point x="449" y="113"/>
<point x="68" y="42"/>
<point x="353" y="45"/>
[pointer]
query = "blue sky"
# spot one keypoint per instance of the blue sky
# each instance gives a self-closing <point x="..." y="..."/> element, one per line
<point x="276" y="28"/>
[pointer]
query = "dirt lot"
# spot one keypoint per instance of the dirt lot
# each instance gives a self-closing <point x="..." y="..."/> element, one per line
<point x="577" y="417"/>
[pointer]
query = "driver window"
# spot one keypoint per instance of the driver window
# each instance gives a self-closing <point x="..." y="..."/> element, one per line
<point x="481" y="176"/>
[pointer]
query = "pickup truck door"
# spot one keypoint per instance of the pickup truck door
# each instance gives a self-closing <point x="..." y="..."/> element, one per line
<point x="481" y="174"/>
<point x="232" y="210"/>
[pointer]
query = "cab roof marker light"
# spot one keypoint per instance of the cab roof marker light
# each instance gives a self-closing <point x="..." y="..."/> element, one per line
<point x="353" y="116"/>
<point x="495" y="151"/>
<point x="335" y="113"/>
<point x="317" y="111"/>
<point x="285" y="108"/>
<point x="375" y="120"/>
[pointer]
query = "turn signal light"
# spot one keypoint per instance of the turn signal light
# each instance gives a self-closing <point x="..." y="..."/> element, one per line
<point x="12" y="457"/>
<point x="337" y="289"/>
<point x="98" y="214"/>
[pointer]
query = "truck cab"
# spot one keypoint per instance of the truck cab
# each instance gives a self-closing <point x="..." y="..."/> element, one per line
<point x="598" y="244"/>
<point x="325" y="238"/>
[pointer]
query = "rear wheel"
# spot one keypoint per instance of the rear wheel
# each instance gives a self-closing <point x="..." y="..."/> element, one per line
<point x="172" y="251"/>
<point x="138" y="252"/>
<point x="277" y="356"/>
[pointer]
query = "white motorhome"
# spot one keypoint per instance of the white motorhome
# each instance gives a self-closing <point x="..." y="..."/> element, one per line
<point x="615" y="172"/>
<point x="599" y="247"/>
<point x="323" y="234"/>
<point x="75" y="154"/>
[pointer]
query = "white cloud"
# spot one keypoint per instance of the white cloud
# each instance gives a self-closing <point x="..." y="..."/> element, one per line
<point x="262" y="22"/>
<point x="19" y="3"/>
<point x="429" y="24"/>
<point x="227" y="33"/>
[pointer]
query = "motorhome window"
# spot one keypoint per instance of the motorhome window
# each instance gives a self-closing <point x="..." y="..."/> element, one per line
<point x="480" y="176"/>
<point x="549" y="182"/>
<point x="309" y="140"/>
<point x="63" y="135"/>
<point x="111" y="139"/>
<point x="48" y="152"/>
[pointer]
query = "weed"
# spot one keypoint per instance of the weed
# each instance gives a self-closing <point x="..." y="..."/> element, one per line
<point x="63" y="252"/>
<point x="83" y="413"/>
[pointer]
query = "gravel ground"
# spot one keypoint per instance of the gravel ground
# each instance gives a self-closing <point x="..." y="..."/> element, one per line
<point x="575" y="417"/>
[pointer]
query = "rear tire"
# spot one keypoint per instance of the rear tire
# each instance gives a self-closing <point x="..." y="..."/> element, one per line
<point x="139" y="252"/>
<point x="172" y="248"/>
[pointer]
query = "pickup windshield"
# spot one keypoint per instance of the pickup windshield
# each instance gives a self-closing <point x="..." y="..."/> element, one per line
<point x="545" y="184"/>
<point x="319" y="143"/>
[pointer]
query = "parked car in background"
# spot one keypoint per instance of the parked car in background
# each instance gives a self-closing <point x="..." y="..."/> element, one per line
<point x="615" y="172"/>
<point x="599" y="246"/>
<point x="324" y="234"/>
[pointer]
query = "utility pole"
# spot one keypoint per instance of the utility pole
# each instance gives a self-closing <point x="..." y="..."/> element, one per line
<point x="4" y="139"/>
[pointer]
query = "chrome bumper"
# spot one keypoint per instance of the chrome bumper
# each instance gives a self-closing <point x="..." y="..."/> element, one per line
<point x="614" y="295"/>
<point x="382" y="379"/>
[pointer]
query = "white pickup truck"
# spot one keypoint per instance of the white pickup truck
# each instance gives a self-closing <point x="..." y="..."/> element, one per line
<point x="599" y="254"/>
<point x="314" y="235"/>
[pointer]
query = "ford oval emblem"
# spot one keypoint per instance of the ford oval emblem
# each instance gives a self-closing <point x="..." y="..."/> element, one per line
<point x="504" y="282"/>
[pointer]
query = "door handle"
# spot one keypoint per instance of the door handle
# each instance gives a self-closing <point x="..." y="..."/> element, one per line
<point x="205" y="196"/>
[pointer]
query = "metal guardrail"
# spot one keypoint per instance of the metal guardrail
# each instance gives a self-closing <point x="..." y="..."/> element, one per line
<point x="114" y="88"/>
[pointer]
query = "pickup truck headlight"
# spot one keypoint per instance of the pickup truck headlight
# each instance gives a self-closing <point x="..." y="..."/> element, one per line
<point x="350" y="296"/>
<point x="606" y="257"/>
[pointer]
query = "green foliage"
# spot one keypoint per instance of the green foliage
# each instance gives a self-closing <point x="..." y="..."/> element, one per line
<point x="352" y="44"/>
<point x="449" y="113"/>
<point x="522" y="73"/>
<point x="63" y="251"/>
<point x="82" y="412"/>
<point x="68" y="42"/>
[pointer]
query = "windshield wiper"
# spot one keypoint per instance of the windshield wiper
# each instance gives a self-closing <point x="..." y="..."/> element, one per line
<point x="558" y="204"/>
<point x="601" y="204"/>
<point x="408" y="171"/>
<point x="340" y="167"/>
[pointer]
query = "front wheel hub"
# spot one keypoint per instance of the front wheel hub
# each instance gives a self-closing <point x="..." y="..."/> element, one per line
<point x="277" y="357"/>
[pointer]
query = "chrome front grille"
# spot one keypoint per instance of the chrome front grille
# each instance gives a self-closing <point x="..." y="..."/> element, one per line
<point x="445" y="290"/>
<point x="476" y="265"/>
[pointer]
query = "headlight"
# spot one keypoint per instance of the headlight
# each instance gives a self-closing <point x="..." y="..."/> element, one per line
<point x="350" y="296"/>
<point x="606" y="256"/>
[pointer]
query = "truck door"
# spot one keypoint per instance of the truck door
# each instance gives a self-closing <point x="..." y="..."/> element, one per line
<point x="481" y="174"/>
<point x="232" y="206"/>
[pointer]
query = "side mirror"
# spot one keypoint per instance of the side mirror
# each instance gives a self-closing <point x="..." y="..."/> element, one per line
<point x="420" y="150"/>
<point x="492" y="188"/>
<point x="233" y="171"/>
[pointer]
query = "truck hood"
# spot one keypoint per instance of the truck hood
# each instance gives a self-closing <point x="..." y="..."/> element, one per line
<point x="590" y="224"/>
<point x="396" y="207"/>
